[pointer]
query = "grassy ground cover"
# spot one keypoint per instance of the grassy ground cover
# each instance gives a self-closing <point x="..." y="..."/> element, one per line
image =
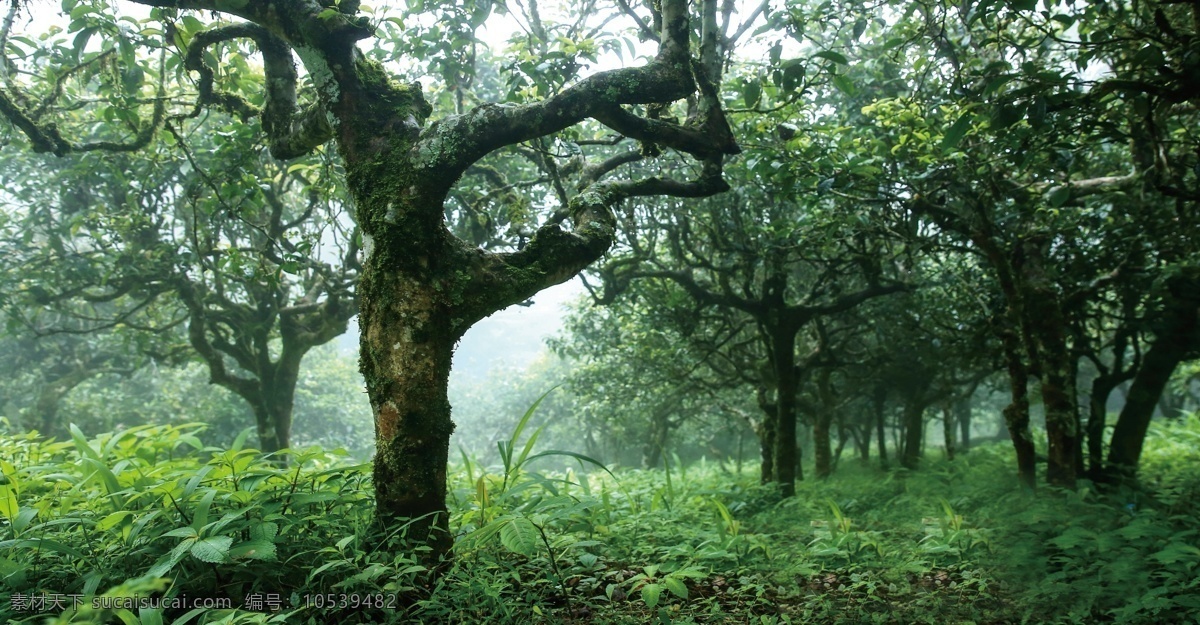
<point x="152" y="512"/>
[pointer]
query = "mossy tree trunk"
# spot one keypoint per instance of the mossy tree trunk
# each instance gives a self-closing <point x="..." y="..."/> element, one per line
<point x="823" y="416"/>
<point x="914" y="431"/>
<point x="878" y="400"/>
<point x="765" y="429"/>
<point x="1048" y="348"/>
<point x="962" y="412"/>
<point x="949" y="424"/>
<point x="1016" y="414"/>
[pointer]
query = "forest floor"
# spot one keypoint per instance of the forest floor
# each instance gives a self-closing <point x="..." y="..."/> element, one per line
<point x="152" y="513"/>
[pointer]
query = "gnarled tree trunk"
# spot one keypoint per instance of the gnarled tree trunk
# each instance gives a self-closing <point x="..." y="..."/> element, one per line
<point x="1178" y="336"/>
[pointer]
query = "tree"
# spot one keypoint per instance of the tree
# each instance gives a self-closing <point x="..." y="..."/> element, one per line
<point x="650" y="364"/>
<point x="247" y="253"/>
<point x="778" y="260"/>
<point x="420" y="287"/>
<point x="1012" y="149"/>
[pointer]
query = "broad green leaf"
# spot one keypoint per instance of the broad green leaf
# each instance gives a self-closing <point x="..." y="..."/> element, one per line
<point x="121" y="517"/>
<point x="150" y="616"/>
<point x="266" y="531"/>
<point x="844" y="84"/>
<point x="793" y="75"/>
<point x="24" y="517"/>
<point x="213" y="549"/>
<point x="676" y="586"/>
<point x="1059" y="195"/>
<point x="8" y="502"/>
<point x="258" y="549"/>
<point x="651" y="593"/>
<point x="859" y="27"/>
<point x="751" y="92"/>
<point x="183" y="533"/>
<point x="1006" y="116"/>
<point x="956" y="131"/>
<point x="519" y="535"/>
<point x="830" y="55"/>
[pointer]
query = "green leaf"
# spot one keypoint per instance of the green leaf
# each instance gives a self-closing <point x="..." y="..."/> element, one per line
<point x="111" y="485"/>
<point x="123" y="517"/>
<point x="8" y="502"/>
<point x="651" y="593"/>
<point x="213" y="549"/>
<point x="996" y="83"/>
<point x="830" y="55"/>
<point x="751" y="92"/>
<point x="268" y="531"/>
<point x="168" y="561"/>
<point x="81" y="40"/>
<point x="676" y="587"/>
<point x="844" y="84"/>
<point x="1057" y="196"/>
<point x="1006" y="116"/>
<point x="24" y="517"/>
<point x="240" y="441"/>
<point x="859" y="27"/>
<point x="793" y="75"/>
<point x="955" y="132"/>
<point x="571" y="454"/>
<point x="200" y="516"/>
<point x="253" y="550"/>
<point x="519" y="535"/>
<point x="40" y="544"/>
<point x="150" y="616"/>
<point x="182" y="532"/>
<point x="81" y="443"/>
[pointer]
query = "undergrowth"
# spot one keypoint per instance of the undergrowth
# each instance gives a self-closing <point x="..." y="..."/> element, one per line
<point x="151" y="512"/>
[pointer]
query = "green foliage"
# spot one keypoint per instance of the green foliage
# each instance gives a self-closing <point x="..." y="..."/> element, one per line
<point x="152" y="512"/>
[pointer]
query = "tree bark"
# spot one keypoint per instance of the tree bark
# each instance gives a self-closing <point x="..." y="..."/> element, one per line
<point x="963" y="417"/>
<point x="783" y="350"/>
<point x="1178" y="337"/>
<point x="822" y="447"/>
<point x="914" y="431"/>
<point x="862" y="440"/>
<point x="1049" y="349"/>
<point x="878" y="401"/>
<point x="765" y="430"/>
<point x="407" y="368"/>
<point x="948" y="430"/>
<point x="50" y="396"/>
<point x="822" y="420"/>
<point x="1016" y="414"/>
<point x="660" y="430"/>
<point x="1102" y="387"/>
<point x="275" y="401"/>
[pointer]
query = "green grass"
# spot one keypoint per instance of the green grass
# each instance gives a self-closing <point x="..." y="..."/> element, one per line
<point x="153" y="512"/>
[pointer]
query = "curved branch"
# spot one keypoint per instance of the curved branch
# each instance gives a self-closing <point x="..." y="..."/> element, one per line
<point x="453" y="144"/>
<point x="291" y="133"/>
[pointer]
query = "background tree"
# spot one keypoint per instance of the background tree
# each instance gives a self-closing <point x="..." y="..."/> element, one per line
<point x="247" y="254"/>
